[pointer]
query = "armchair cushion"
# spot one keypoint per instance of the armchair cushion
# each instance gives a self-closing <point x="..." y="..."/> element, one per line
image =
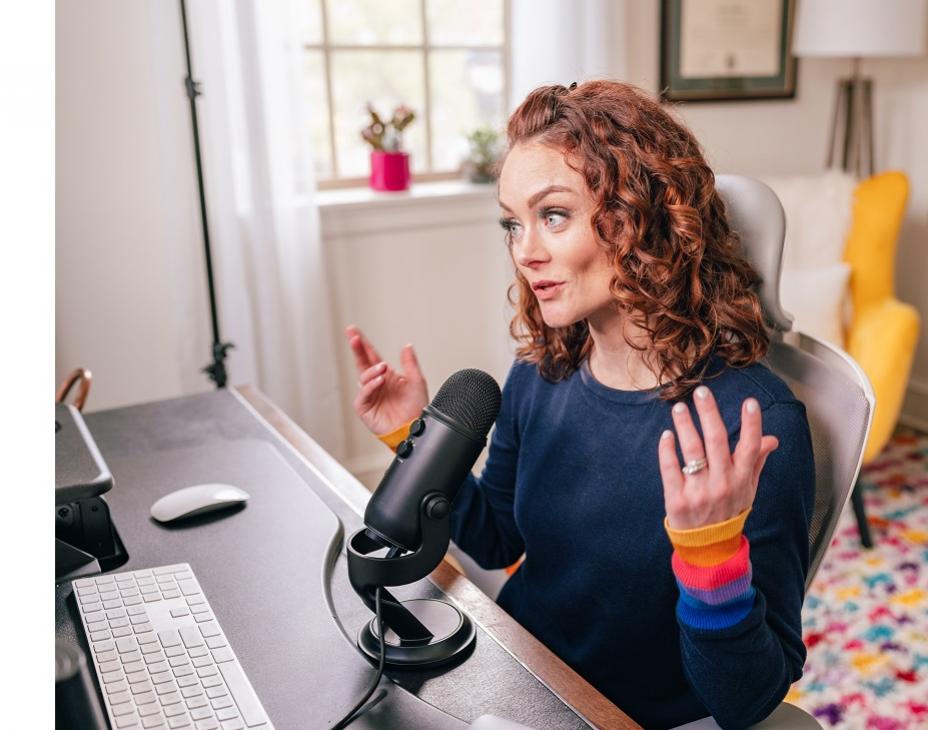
<point x="815" y="298"/>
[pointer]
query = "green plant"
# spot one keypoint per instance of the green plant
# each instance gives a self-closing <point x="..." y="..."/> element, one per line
<point x="387" y="136"/>
<point x="485" y="145"/>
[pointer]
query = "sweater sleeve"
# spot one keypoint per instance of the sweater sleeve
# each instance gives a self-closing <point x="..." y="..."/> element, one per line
<point x="741" y="594"/>
<point x="483" y="520"/>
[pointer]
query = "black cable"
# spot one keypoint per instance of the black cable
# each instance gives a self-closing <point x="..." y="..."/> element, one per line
<point x="357" y="710"/>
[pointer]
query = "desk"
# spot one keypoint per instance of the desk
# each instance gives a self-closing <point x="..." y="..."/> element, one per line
<point x="256" y="570"/>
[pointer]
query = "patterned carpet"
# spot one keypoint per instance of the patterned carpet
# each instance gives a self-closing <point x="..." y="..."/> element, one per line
<point x="865" y="621"/>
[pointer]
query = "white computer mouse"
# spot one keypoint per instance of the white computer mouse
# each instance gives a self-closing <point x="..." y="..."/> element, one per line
<point x="196" y="500"/>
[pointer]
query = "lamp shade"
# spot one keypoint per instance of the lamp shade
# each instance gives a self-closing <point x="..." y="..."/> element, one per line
<point x="860" y="28"/>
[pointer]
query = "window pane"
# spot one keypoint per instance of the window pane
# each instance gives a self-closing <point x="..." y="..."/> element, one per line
<point x="465" y="22"/>
<point x="467" y="92"/>
<point x="374" y="22"/>
<point x="309" y="17"/>
<point x="317" y="104"/>
<point x="386" y="79"/>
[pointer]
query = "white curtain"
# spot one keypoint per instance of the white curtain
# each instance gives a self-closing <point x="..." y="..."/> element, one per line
<point x="273" y="294"/>
<point x="558" y="42"/>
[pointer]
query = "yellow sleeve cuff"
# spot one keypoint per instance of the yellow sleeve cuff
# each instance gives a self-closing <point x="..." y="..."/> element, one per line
<point x="711" y="544"/>
<point x="394" y="438"/>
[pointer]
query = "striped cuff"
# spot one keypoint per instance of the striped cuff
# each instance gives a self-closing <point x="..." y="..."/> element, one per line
<point x="394" y="438"/>
<point x="712" y="567"/>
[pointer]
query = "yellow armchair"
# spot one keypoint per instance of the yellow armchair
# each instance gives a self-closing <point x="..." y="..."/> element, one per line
<point x="883" y="331"/>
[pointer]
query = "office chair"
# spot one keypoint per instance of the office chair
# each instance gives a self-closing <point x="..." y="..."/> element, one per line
<point x="838" y="396"/>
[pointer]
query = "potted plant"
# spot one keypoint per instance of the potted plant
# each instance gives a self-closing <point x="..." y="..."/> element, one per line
<point x="485" y="147"/>
<point x="389" y="163"/>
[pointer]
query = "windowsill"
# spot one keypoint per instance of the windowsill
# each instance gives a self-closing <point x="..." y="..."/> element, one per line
<point x="347" y="199"/>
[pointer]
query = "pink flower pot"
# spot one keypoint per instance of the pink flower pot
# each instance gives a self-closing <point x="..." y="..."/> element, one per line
<point x="389" y="170"/>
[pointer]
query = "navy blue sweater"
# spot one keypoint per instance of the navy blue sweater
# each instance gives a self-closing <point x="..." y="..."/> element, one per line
<point x="572" y="481"/>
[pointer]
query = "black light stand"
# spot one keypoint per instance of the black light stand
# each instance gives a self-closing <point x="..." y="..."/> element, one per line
<point x="217" y="369"/>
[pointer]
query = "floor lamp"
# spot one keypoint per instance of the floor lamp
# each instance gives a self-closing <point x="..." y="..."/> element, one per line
<point x="858" y="29"/>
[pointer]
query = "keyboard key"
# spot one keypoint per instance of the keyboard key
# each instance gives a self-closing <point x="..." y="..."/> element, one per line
<point x="136" y="610"/>
<point x="199" y="651"/>
<point x="212" y="681"/>
<point x="227" y="713"/>
<point x="234" y="724"/>
<point x="124" y="631"/>
<point x="151" y="597"/>
<point x="165" y="688"/>
<point x="131" y="656"/>
<point x="123" y="709"/>
<point x="174" y="710"/>
<point x="142" y="688"/>
<point x="137" y="677"/>
<point x="152" y="648"/>
<point x="223" y="654"/>
<point x="210" y="629"/>
<point x="169" y="638"/>
<point x="195" y="702"/>
<point x="112" y="603"/>
<point x="108" y="677"/>
<point x="178" y="661"/>
<point x="117" y="623"/>
<point x="119" y="697"/>
<point x="94" y="618"/>
<point x="158" y="667"/>
<point x="110" y="666"/>
<point x="154" y="721"/>
<point x="133" y="601"/>
<point x="127" y="721"/>
<point x="202" y="661"/>
<point x="218" y="691"/>
<point x="143" y="627"/>
<point x="125" y="645"/>
<point x="170" y="698"/>
<point x="173" y="651"/>
<point x="101" y="646"/>
<point x="139" y="618"/>
<point x="201" y="617"/>
<point x="131" y="667"/>
<point x="100" y="635"/>
<point x="190" y="680"/>
<point x="180" y="612"/>
<point x="188" y="587"/>
<point x="180" y="721"/>
<point x="116" y="687"/>
<point x="183" y="670"/>
<point x="195" y="600"/>
<point x="107" y="656"/>
<point x="206" y="671"/>
<point x="145" y="698"/>
<point x="150" y="709"/>
<point x="209" y="724"/>
<point x="221" y="702"/>
<point x="161" y="678"/>
<point x="201" y="713"/>
<point x="149" y="638"/>
<point x="201" y="608"/>
<point x="191" y="636"/>
<point x="191" y="691"/>
<point x="116" y="613"/>
<point x="154" y="657"/>
<point x="171" y="593"/>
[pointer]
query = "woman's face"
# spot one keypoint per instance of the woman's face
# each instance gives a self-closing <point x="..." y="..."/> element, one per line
<point x="547" y="215"/>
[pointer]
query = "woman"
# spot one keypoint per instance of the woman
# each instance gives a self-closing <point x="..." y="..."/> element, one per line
<point x="675" y="590"/>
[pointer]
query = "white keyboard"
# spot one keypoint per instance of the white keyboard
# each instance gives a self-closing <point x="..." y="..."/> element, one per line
<point x="161" y="657"/>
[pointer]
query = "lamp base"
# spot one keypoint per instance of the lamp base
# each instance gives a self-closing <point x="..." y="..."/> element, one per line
<point x="453" y="637"/>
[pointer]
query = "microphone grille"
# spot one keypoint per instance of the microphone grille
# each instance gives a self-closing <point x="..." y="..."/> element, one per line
<point x="470" y="397"/>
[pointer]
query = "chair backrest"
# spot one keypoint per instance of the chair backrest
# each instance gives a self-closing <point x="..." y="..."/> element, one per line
<point x="838" y="396"/>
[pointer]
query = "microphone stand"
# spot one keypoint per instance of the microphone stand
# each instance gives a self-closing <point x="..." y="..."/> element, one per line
<point x="216" y="370"/>
<point x="424" y="631"/>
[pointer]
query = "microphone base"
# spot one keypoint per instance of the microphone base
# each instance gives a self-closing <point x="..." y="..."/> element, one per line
<point x="453" y="637"/>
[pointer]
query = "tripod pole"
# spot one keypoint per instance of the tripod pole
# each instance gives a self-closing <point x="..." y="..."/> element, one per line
<point x="217" y="368"/>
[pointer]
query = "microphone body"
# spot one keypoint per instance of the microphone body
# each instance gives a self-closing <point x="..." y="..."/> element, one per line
<point x="433" y="461"/>
<point x="436" y="459"/>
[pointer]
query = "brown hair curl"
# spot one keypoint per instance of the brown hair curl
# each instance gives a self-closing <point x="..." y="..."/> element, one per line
<point x="679" y="273"/>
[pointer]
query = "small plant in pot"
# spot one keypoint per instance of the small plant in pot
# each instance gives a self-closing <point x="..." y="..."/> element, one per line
<point x="389" y="163"/>
<point x="485" y="144"/>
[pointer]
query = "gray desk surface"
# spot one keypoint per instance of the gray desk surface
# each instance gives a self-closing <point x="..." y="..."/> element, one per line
<point x="276" y="575"/>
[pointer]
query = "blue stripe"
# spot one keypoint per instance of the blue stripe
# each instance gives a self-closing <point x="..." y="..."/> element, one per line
<point x="701" y="615"/>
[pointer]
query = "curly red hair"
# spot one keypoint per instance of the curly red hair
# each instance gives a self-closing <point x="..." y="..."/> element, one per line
<point x="679" y="273"/>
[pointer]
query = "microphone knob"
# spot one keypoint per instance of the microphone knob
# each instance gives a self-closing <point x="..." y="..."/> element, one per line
<point x="404" y="449"/>
<point x="437" y="507"/>
<point x="417" y="427"/>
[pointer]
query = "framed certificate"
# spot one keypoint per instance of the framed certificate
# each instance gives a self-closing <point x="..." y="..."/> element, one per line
<point x="715" y="50"/>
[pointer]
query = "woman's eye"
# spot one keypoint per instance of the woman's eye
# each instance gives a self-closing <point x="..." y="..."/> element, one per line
<point x="554" y="218"/>
<point x="510" y="227"/>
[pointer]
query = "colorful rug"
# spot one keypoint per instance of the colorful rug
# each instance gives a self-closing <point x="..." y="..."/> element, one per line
<point x="865" y="620"/>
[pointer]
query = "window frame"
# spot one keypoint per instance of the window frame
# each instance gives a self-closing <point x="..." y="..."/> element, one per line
<point x="425" y="48"/>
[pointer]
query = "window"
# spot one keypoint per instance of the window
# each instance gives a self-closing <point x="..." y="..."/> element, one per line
<point x="445" y="59"/>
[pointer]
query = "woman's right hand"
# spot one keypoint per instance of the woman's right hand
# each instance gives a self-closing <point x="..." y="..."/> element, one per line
<point x="386" y="399"/>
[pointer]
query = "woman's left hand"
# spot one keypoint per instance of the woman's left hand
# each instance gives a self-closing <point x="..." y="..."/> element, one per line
<point x="726" y="486"/>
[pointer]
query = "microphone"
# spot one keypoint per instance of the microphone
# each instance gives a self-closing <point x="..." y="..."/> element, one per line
<point x="436" y="457"/>
<point x="409" y="513"/>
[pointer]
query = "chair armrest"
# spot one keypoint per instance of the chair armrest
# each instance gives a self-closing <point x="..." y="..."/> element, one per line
<point x="882" y="339"/>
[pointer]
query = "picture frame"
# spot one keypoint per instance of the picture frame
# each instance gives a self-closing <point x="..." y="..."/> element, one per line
<point x="727" y="50"/>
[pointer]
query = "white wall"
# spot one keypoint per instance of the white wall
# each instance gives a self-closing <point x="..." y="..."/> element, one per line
<point x="130" y="299"/>
<point x="788" y="137"/>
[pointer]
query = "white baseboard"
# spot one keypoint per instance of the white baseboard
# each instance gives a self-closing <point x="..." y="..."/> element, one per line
<point x="915" y="407"/>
